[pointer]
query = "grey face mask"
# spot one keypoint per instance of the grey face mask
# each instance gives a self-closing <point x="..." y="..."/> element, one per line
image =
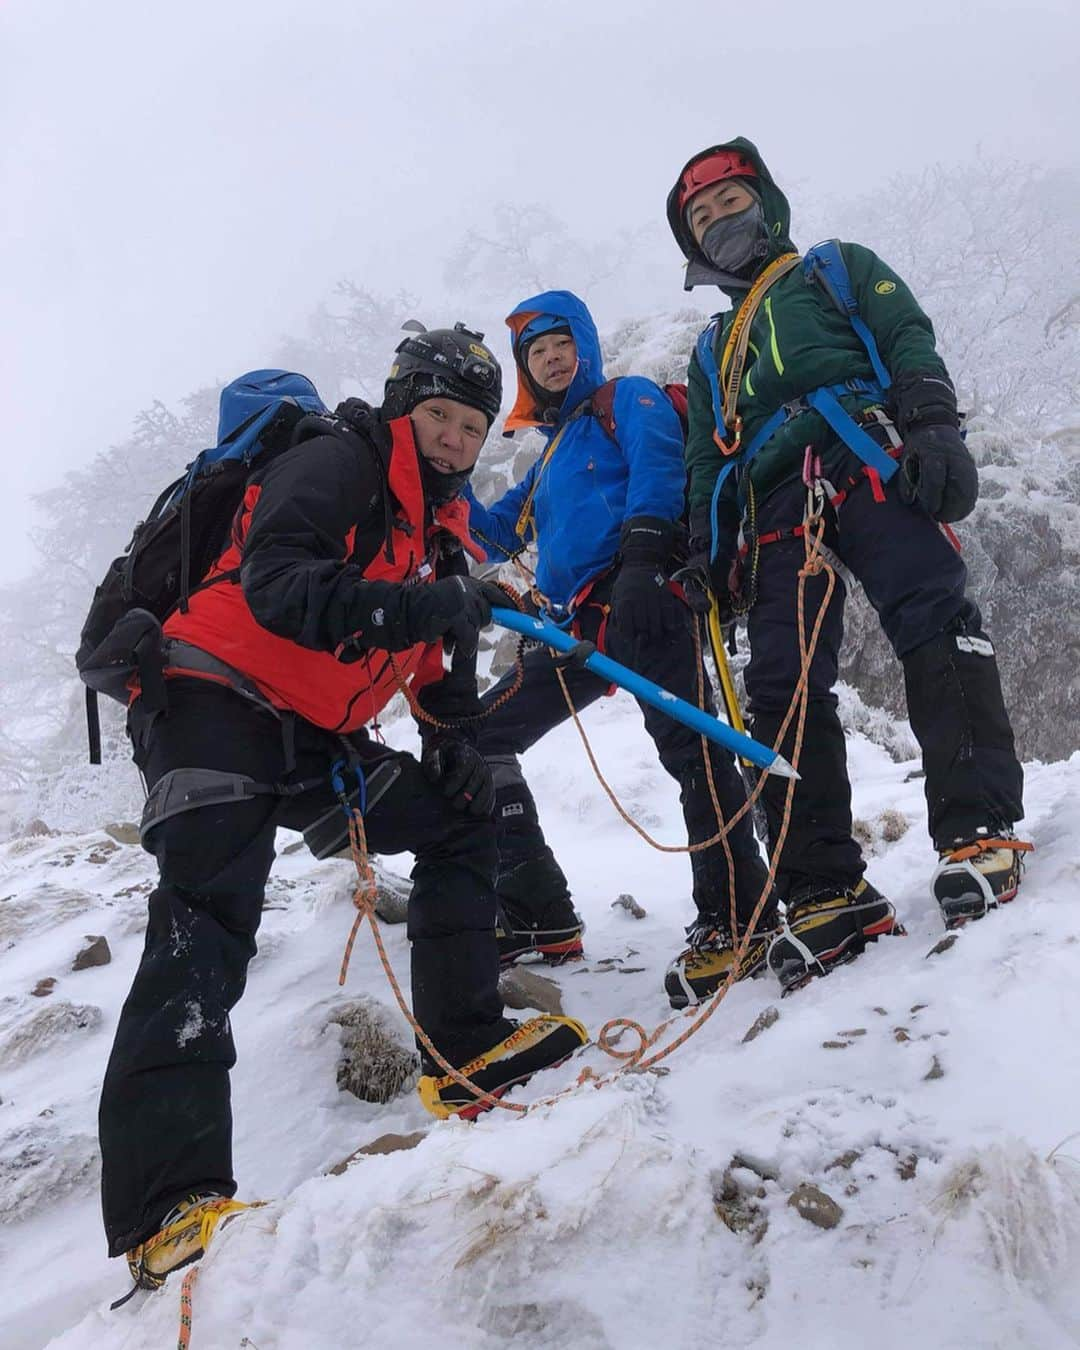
<point x="734" y="243"/>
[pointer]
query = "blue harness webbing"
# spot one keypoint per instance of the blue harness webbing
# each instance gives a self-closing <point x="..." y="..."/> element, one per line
<point x="823" y="264"/>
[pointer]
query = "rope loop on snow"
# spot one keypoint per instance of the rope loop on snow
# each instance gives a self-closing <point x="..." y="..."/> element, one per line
<point x="639" y="1059"/>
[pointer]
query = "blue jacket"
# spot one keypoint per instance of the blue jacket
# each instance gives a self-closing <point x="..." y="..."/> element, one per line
<point x="590" y="484"/>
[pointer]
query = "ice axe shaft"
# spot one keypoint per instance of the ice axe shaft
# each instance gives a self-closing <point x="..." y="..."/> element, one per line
<point x="735" y="717"/>
<point x="540" y="630"/>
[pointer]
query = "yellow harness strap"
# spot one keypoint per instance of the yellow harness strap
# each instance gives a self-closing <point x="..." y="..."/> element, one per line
<point x="733" y="361"/>
<point x="521" y="527"/>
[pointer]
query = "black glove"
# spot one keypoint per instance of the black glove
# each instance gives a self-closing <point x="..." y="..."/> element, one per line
<point x="640" y="610"/>
<point x="455" y="609"/>
<point x="701" y="578"/>
<point x="461" y="771"/>
<point x="937" y="471"/>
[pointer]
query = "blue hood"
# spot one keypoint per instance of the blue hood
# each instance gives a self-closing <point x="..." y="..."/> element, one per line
<point x="589" y="375"/>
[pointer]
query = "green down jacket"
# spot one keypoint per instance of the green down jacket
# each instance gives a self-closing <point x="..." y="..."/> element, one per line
<point x="798" y="341"/>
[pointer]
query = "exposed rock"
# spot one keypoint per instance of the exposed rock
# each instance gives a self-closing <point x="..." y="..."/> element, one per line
<point x="736" y="1205"/>
<point x="765" y="1170"/>
<point x="845" y="1160"/>
<point x="375" y="1064"/>
<point x="1023" y="576"/>
<point x="835" y="1045"/>
<point x="44" y="1028"/>
<point x="43" y="906"/>
<point x="630" y="905"/>
<point x="391" y="897"/>
<point x="935" y="1071"/>
<point x="43" y="988"/>
<point x="901" y="1034"/>
<point x="942" y="945"/>
<point x="37" y="829"/>
<point x="95" y="953"/>
<point x="392" y="1143"/>
<point x="123" y="831"/>
<point x="101" y="853"/>
<point x="815" y="1206"/>
<point x="385" y="1143"/>
<point x="765" y="1019"/>
<point x="39" y="1164"/>
<point x="521" y="988"/>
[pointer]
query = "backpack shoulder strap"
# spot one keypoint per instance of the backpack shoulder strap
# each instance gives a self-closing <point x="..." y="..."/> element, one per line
<point x="602" y="406"/>
<point x="706" y="355"/>
<point x="825" y="265"/>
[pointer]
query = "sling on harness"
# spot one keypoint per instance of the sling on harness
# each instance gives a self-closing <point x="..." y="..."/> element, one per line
<point x="823" y="265"/>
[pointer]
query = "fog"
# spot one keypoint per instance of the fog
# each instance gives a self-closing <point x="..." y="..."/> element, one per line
<point x="182" y="187"/>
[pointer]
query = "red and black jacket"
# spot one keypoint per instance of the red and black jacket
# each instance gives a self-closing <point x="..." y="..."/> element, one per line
<point x="324" y="548"/>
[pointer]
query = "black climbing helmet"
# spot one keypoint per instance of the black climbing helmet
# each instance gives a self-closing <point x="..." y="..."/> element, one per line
<point x="443" y="363"/>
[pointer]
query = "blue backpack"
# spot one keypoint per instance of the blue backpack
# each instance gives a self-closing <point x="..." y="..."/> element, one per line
<point x="823" y="265"/>
<point x="181" y="538"/>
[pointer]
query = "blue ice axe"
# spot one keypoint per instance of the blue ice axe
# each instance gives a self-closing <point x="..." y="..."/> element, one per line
<point x="736" y="741"/>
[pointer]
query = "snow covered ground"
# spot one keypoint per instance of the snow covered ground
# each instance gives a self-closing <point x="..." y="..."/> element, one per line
<point x="924" y="1096"/>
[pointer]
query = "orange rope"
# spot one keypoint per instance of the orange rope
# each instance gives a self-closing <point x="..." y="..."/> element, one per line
<point x="636" y="1060"/>
<point x="987" y="846"/>
<point x="186" y="1289"/>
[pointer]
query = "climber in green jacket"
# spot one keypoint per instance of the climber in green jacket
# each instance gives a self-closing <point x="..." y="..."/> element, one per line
<point x="821" y="390"/>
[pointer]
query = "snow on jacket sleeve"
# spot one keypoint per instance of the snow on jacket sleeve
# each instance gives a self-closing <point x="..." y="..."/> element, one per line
<point x="294" y="572"/>
<point x="904" y="333"/>
<point x="650" y="436"/>
<point x="493" y="526"/>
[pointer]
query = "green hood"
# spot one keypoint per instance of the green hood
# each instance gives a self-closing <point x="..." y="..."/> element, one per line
<point x="699" y="271"/>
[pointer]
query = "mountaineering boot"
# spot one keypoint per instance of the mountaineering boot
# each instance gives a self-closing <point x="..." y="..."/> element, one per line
<point x="540" y="1043"/>
<point x="705" y="963"/>
<point x="535" y="915"/>
<point x="554" y="934"/>
<point x="183" y="1237"/>
<point x="976" y="877"/>
<point x="827" y="925"/>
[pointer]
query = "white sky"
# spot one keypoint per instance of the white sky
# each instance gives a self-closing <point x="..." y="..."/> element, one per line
<point x="182" y="184"/>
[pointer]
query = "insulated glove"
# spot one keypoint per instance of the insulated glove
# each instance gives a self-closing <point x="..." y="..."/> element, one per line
<point x="455" y="609"/>
<point x="701" y="578"/>
<point x="460" y="771"/>
<point x="640" y="609"/>
<point x="937" y="471"/>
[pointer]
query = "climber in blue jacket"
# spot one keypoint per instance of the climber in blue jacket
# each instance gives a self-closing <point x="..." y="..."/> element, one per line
<point x="602" y="506"/>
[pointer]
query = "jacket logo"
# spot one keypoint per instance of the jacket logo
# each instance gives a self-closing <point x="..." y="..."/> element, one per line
<point x="885" y="287"/>
<point x="378" y="617"/>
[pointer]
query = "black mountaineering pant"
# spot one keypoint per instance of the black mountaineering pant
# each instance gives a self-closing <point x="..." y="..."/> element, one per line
<point x="915" y="580"/>
<point x="539" y="706"/>
<point x="165" y="1118"/>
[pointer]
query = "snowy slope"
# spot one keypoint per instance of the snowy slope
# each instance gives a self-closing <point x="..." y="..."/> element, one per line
<point x="922" y="1095"/>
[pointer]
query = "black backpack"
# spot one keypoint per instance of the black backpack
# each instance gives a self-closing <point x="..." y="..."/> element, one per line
<point x="181" y="538"/>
